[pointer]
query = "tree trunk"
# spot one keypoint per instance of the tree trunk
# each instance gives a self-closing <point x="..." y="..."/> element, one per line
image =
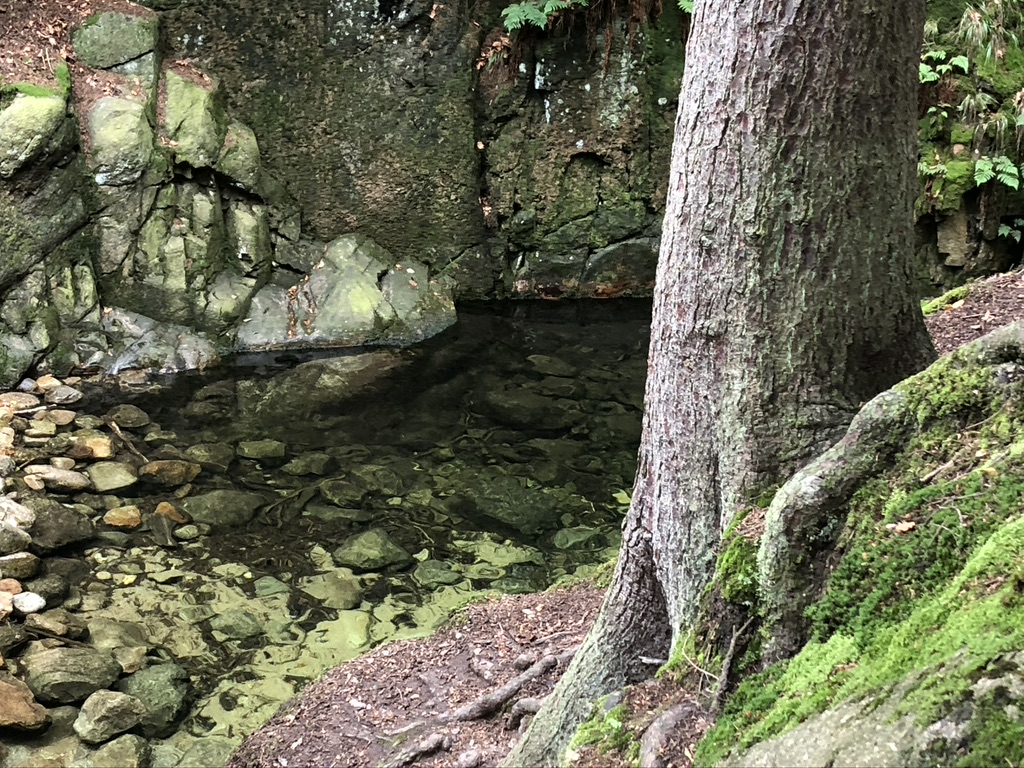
<point x="783" y="300"/>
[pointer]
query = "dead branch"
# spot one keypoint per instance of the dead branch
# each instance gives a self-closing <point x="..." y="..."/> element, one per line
<point x="125" y="440"/>
<point x="723" y="679"/>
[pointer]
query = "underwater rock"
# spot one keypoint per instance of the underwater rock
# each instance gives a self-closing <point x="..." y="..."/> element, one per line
<point x="128" y="416"/>
<point x="106" y="714"/>
<point x="109" y="476"/>
<point x="371" y="551"/>
<point x="162" y="689"/>
<point x="223" y="508"/>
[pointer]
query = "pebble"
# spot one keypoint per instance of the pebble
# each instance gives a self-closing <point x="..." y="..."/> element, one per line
<point x="62" y="462"/>
<point x="28" y="602"/>
<point x="171" y="512"/>
<point x="104" y="575"/>
<point x="63" y="395"/>
<point x="10" y="586"/>
<point x="187" y="532"/>
<point x="60" y="416"/>
<point x="129" y="516"/>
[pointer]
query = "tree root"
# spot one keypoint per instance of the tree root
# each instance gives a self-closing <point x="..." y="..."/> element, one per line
<point x="656" y="737"/>
<point x="522" y="708"/>
<point x="428" y="745"/>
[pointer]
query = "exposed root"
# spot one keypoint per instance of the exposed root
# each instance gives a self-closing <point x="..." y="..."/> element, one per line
<point x="522" y="708"/>
<point x="658" y="733"/>
<point x="428" y="745"/>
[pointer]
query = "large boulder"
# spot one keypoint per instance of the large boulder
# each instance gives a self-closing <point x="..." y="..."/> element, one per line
<point x="107" y="39"/>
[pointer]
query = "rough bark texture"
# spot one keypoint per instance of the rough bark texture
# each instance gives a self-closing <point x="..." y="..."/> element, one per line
<point x="783" y="297"/>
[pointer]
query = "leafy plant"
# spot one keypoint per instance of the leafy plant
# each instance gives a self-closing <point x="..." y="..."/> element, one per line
<point x="686" y="6"/>
<point x="987" y="29"/>
<point x="1013" y="230"/>
<point x="934" y="66"/>
<point x="536" y="13"/>
<point x="1000" y="167"/>
<point x="975" y="104"/>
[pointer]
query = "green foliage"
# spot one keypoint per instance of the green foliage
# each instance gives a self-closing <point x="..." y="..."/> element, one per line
<point x="686" y="6"/>
<point x="536" y="13"/>
<point x="1001" y="168"/>
<point x="934" y="66"/>
<point x="1013" y="230"/>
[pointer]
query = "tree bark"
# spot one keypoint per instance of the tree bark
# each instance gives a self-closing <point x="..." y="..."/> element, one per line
<point x="783" y="299"/>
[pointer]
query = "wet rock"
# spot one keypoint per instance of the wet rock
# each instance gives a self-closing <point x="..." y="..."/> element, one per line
<point x="67" y="675"/>
<point x="338" y="589"/>
<point x="19" y="401"/>
<point x="551" y="366"/>
<point x="223" y="508"/>
<point x="90" y="445"/>
<point x="56" y="746"/>
<point x="20" y="565"/>
<point x="567" y="538"/>
<point x="63" y="395"/>
<point x="13" y="539"/>
<point x="343" y="493"/>
<point x="128" y="416"/>
<point x="169" y="472"/>
<point x="329" y="513"/>
<point x="111" y="476"/>
<point x="18" y="708"/>
<point x="162" y="689"/>
<point x="434" y="573"/>
<point x="128" y="751"/>
<point x="129" y="516"/>
<point x="266" y="586"/>
<point x="312" y="463"/>
<point x="59" y="480"/>
<point x="106" y="714"/>
<point x="236" y="624"/>
<point x="524" y="409"/>
<point x="512" y="501"/>
<point x="216" y="456"/>
<point x="13" y="513"/>
<point x="261" y="449"/>
<point x="207" y="751"/>
<point x="26" y="603"/>
<point x="57" y="525"/>
<point x="371" y="551"/>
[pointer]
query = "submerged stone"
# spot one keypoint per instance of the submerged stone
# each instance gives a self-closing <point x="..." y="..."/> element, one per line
<point x="111" y="476"/>
<point x="169" y="472"/>
<point x="162" y="689"/>
<point x="370" y="551"/>
<point x="106" y="714"/>
<point x="128" y="416"/>
<point x="338" y="589"/>
<point x="236" y="624"/>
<point x="223" y="508"/>
<point x="67" y="675"/>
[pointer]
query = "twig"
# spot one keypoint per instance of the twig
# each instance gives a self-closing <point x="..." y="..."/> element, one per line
<point x="123" y="437"/>
<point x="723" y="681"/>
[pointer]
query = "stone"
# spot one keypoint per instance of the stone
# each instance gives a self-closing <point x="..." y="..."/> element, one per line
<point x="59" y="480"/>
<point x="207" y="751"/>
<point x="41" y="428"/>
<point x="26" y="124"/>
<point x="122" y="140"/>
<point x="521" y="408"/>
<point x="567" y="538"/>
<point x="63" y="395"/>
<point x="13" y="513"/>
<point x="111" y="476"/>
<point x="261" y="449"/>
<point x="18" y="707"/>
<point x="312" y="463"/>
<point x="371" y="551"/>
<point x="62" y="462"/>
<point x="168" y="510"/>
<point x="162" y="689"/>
<point x="6" y="605"/>
<point x="223" y="508"/>
<point x="26" y="603"/>
<point x="217" y="456"/>
<point x="107" y="713"/>
<point x="128" y="751"/>
<point x="552" y="366"/>
<point x="68" y="675"/>
<point x="91" y="446"/>
<point x="434" y="573"/>
<point x="20" y="565"/>
<point x="338" y="589"/>
<point x="128" y="416"/>
<point x="13" y="539"/>
<point x="60" y="416"/>
<point x="57" y="525"/>
<point x="240" y="157"/>
<point x="128" y="516"/>
<point x="236" y="624"/>
<point x="193" y="120"/>
<point x="265" y="586"/>
<point x="169" y="472"/>
<point x="107" y="39"/>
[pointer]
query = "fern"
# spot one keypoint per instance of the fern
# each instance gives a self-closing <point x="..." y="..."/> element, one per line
<point x="536" y="13"/>
<point x="686" y="6"/>
<point x="1001" y="168"/>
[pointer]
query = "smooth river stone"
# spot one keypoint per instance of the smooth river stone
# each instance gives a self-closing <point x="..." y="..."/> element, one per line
<point x="111" y="475"/>
<point x="169" y="472"/>
<point x="130" y="416"/>
<point x="128" y="516"/>
<point x="18" y="401"/>
<point x="59" y="480"/>
<point x="67" y="675"/>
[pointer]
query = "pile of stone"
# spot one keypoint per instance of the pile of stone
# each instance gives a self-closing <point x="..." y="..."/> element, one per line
<point x="97" y="691"/>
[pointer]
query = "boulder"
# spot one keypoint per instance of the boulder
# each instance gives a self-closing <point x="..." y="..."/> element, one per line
<point x="122" y="140"/>
<point x="13" y="539"/>
<point x="67" y="675"/>
<point x="107" y="39"/>
<point x="25" y="127"/>
<point x="371" y="551"/>
<point x="338" y="589"/>
<point x="106" y="714"/>
<point x="57" y="525"/>
<point x="193" y="120"/>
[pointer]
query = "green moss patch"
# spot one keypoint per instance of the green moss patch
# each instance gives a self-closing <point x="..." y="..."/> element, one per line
<point x="931" y="306"/>
<point x="609" y="731"/>
<point x="928" y="587"/>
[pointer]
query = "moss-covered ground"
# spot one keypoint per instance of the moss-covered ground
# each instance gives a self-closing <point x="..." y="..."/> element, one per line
<point x="929" y="577"/>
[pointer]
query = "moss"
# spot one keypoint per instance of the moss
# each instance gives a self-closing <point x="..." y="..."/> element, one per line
<point x="950" y="188"/>
<point x="961" y="134"/>
<point x="736" y="570"/>
<point x="608" y="731"/>
<point x="1005" y="75"/>
<point x="1000" y="741"/>
<point x="953" y="385"/>
<point x="930" y="306"/>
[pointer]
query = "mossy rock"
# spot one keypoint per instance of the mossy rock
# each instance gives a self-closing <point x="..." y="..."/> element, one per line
<point x="194" y="121"/>
<point x="26" y="125"/>
<point x="110" y="38"/>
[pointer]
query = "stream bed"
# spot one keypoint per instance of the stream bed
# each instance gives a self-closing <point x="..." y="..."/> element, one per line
<point x="293" y="510"/>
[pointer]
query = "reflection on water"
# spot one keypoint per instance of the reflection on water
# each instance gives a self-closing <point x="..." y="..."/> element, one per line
<point x="351" y="498"/>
